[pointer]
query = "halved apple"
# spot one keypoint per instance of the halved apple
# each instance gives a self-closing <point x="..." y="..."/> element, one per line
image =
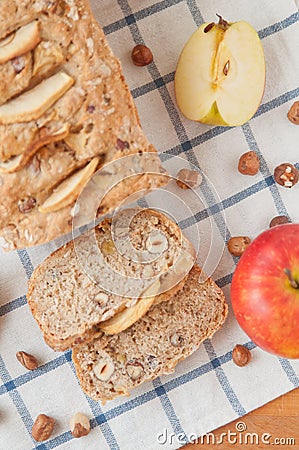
<point x="221" y="72"/>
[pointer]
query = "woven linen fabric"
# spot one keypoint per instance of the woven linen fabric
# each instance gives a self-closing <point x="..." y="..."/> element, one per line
<point x="207" y="390"/>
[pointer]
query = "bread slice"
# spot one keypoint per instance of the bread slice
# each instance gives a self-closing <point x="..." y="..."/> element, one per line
<point x="112" y="366"/>
<point x="97" y="115"/>
<point x="112" y="270"/>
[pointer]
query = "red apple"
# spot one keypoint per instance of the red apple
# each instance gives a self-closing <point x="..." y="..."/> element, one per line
<point x="265" y="291"/>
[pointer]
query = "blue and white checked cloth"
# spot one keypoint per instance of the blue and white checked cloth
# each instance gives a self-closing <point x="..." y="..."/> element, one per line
<point x="207" y="390"/>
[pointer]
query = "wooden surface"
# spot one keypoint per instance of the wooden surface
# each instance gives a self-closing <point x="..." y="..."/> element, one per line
<point x="279" y="418"/>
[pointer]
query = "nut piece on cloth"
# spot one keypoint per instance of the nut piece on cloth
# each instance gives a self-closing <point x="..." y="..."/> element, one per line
<point x="241" y="355"/>
<point x="141" y="55"/>
<point x="249" y="163"/>
<point x="293" y="114"/>
<point x="238" y="244"/>
<point x="79" y="425"/>
<point x="42" y="428"/>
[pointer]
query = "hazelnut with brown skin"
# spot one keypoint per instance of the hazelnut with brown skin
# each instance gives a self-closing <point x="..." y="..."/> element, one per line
<point x="249" y="163"/>
<point x="241" y="355"/>
<point x="141" y="55"/>
<point x="79" y="425"/>
<point x="238" y="244"/>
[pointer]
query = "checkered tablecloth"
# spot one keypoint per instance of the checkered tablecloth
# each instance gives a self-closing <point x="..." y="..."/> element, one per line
<point x="207" y="390"/>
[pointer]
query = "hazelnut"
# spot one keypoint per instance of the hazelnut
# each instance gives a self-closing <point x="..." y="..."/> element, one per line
<point x="134" y="369"/>
<point x="279" y="220"/>
<point x="102" y="298"/>
<point x="286" y="175"/>
<point x="156" y="242"/>
<point x="104" y="370"/>
<point x="209" y="27"/>
<point x="153" y="362"/>
<point x="188" y="179"/>
<point x="238" y="244"/>
<point x="42" y="428"/>
<point x="293" y="114"/>
<point x="26" y="205"/>
<point x="108" y="248"/>
<point x="176" y="340"/>
<point x="249" y="163"/>
<point x="27" y="360"/>
<point x="79" y="425"/>
<point x="241" y="355"/>
<point x="18" y="64"/>
<point x="141" y="55"/>
<point x="91" y="109"/>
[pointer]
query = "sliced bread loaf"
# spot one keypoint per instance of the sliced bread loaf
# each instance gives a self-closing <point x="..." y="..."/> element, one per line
<point x="112" y="366"/>
<point x="120" y="268"/>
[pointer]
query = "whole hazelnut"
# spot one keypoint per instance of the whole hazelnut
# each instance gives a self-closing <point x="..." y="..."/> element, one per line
<point x="241" y="355"/>
<point x="238" y="244"/>
<point x="286" y="175"/>
<point x="249" y="163"/>
<point x="141" y="55"/>
<point x="279" y="220"/>
<point x="26" y="205"/>
<point x="293" y="114"/>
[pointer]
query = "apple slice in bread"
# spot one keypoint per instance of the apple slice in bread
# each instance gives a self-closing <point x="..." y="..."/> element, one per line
<point x="69" y="189"/>
<point x="32" y="104"/>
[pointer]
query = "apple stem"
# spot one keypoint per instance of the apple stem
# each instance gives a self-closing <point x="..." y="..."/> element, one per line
<point x="293" y="283"/>
<point x="222" y="22"/>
